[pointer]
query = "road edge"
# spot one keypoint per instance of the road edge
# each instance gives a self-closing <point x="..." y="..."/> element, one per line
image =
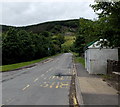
<point x="77" y="86"/>
<point x="31" y="65"/>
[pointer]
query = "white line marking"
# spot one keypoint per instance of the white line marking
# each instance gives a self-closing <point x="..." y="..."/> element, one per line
<point x="53" y="77"/>
<point x="26" y="87"/>
<point x="36" y="79"/>
<point x="42" y="75"/>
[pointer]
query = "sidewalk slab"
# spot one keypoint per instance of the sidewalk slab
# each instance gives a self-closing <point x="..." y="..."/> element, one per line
<point x="93" y="89"/>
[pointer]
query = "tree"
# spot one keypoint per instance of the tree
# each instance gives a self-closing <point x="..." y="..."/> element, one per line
<point x="79" y="44"/>
<point x="10" y="47"/>
<point x="110" y="15"/>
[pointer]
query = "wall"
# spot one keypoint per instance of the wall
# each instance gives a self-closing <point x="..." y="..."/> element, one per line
<point x="96" y="62"/>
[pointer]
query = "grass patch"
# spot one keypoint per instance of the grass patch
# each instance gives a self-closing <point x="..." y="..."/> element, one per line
<point x="107" y="76"/>
<point x="69" y="40"/>
<point x="19" y="65"/>
<point x="79" y="59"/>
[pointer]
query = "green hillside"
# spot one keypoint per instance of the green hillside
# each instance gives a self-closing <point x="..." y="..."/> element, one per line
<point x="54" y="27"/>
<point x="37" y="41"/>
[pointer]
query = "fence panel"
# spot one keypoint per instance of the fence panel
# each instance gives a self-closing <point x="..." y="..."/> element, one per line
<point x="113" y="66"/>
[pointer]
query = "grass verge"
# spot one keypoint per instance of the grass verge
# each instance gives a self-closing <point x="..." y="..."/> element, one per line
<point x="79" y="59"/>
<point x="22" y="64"/>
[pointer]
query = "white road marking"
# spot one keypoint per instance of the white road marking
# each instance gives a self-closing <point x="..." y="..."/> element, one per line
<point x="26" y="87"/>
<point x="50" y="77"/>
<point x="53" y="77"/>
<point x="10" y="101"/>
<point x="42" y="75"/>
<point x="36" y="79"/>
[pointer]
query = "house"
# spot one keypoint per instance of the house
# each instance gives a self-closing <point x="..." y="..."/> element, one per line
<point x="96" y="56"/>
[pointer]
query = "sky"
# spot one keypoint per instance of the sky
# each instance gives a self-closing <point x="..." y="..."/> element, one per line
<point x="34" y="12"/>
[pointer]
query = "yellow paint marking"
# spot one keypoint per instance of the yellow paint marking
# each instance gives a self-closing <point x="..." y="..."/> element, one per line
<point x="57" y="85"/>
<point x="74" y="100"/>
<point x="52" y="84"/>
<point x="26" y="87"/>
<point x="62" y="85"/>
<point x="36" y="79"/>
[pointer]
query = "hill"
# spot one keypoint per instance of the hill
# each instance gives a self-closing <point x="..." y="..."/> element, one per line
<point x="54" y="27"/>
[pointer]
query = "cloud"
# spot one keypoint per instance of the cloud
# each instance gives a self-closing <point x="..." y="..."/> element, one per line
<point x="27" y="13"/>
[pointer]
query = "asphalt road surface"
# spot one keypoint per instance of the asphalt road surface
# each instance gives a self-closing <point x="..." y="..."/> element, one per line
<point x="46" y="83"/>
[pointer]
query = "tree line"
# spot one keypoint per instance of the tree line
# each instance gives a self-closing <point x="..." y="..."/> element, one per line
<point x="107" y="26"/>
<point x="20" y="45"/>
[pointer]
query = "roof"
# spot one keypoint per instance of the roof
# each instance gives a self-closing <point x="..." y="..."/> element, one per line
<point x="96" y="44"/>
<point x="86" y="47"/>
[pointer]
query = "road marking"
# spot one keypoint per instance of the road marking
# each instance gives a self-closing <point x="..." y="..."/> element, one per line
<point x="11" y="101"/>
<point x="75" y="100"/>
<point x="26" y="87"/>
<point x="57" y="85"/>
<point x="62" y="85"/>
<point x="8" y="100"/>
<point x="2" y="105"/>
<point x="57" y="77"/>
<point x="52" y="84"/>
<point x="53" y="77"/>
<point x="44" y="84"/>
<point x="61" y="78"/>
<point x="36" y="79"/>
<point x="50" y="77"/>
<point x="42" y="75"/>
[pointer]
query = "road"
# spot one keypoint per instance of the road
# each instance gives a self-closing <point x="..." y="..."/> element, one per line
<point x="41" y="84"/>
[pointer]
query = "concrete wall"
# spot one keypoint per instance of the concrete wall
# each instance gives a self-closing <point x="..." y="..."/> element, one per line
<point x="96" y="59"/>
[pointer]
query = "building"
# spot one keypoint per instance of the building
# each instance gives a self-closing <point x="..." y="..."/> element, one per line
<point x="96" y="56"/>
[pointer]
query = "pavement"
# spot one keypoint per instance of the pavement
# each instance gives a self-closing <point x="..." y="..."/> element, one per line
<point x="46" y="83"/>
<point x="92" y="90"/>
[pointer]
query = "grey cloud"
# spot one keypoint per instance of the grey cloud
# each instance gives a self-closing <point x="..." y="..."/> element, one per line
<point x="26" y="13"/>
